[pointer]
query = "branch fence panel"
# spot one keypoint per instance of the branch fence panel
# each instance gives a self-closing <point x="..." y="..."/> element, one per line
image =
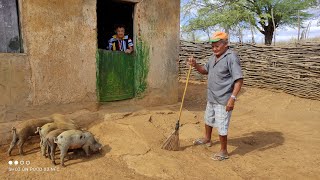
<point x="294" y="70"/>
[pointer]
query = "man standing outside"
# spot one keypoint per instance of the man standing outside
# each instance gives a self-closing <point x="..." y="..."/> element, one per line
<point x="224" y="83"/>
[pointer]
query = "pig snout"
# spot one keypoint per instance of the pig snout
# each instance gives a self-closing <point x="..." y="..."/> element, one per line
<point x="97" y="147"/>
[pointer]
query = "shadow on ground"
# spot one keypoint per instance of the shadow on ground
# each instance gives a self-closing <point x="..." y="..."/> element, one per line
<point x="80" y="154"/>
<point x="256" y="141"/>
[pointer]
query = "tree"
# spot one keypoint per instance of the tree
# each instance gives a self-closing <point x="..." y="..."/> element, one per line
<point x="190" y="36"/>
<point x="229" y="13"/>
<point x="210" y="15"/>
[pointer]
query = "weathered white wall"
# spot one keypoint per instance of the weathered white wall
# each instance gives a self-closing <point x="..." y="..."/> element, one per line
<point x="57" y="72"/>
<point x="61" y="40"/>
<point x="14" y="84"/>
<point x="158" y="25"/>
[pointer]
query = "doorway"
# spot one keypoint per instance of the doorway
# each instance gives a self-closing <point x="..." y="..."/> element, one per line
<point x="115" y="74"/>
<point x="109" y="14"/>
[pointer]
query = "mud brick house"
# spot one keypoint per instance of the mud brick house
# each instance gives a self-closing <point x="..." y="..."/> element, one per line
<point x="53" y="56"/>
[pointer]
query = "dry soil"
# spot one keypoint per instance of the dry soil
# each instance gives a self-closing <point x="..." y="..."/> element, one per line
<point x="272" y="135"/>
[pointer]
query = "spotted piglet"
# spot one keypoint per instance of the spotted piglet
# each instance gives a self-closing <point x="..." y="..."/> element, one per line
<point x="76" y="139"/>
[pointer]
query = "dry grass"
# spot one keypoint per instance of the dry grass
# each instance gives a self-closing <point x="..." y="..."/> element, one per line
<point x="294" y="41"/>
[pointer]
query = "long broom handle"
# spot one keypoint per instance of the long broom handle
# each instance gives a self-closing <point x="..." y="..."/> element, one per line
<point x="185" y="90"/>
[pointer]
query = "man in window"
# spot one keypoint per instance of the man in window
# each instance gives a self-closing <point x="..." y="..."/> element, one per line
<point x="120" y="41"/>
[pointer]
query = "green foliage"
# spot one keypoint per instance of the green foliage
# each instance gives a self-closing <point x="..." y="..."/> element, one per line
<point x="229" y="14"/>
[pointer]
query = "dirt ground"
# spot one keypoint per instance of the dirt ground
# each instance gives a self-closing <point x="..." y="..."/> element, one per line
<point x="272" y="135"/>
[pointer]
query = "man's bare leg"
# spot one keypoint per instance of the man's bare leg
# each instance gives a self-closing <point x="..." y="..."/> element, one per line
<point x="223" y="143"/>
<point x="207" y="137"/>
<point x="208" y="132"/>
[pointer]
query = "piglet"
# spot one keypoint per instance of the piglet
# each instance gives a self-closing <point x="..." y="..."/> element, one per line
<point x="76" y="139"/>
<point x="23" y="131"/>
<point x="48" y="142"/>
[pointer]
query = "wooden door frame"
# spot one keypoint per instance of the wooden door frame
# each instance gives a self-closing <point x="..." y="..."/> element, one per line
<point x="23" y="45"/>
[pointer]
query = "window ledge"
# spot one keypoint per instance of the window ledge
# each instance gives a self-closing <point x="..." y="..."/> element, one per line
<point x="12" y="54"/>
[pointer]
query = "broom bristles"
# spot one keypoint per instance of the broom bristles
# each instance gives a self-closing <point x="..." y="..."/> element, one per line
<point x="172" y="143"/>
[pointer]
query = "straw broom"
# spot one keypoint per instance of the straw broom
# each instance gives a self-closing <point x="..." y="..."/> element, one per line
<point x="172" y="143"/>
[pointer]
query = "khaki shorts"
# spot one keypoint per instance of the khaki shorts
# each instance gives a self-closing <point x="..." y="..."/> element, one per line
<point x="217" y="116"/>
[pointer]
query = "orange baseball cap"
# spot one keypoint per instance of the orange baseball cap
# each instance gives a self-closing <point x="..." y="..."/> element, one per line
<point x="217" y="36"/>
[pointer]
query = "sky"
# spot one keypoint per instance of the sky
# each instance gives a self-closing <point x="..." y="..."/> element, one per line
<point x="282" y="34"/>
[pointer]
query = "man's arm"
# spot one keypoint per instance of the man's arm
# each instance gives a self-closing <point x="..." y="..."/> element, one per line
<point x="129" y="50"/>
<point x="110" y="46"/>
<point x="130" y="47"/>
<point x="199" y="68"/>
<point x="237" y="87"/>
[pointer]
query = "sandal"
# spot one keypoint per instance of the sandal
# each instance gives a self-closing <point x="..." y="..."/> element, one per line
<point x="201" y="141"/>
<point x="219" y="157"/>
